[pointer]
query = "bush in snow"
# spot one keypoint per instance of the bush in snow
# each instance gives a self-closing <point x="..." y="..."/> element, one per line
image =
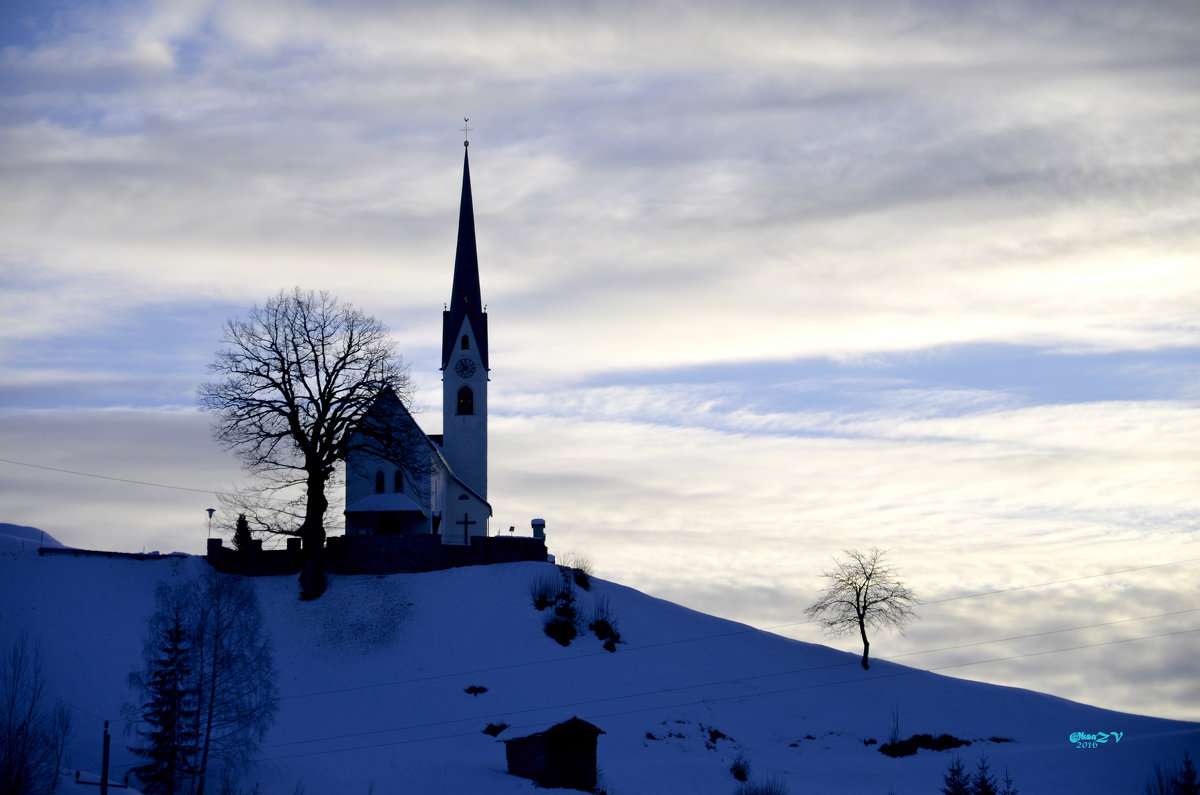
<point x="740" y="769"/>
<point x="769" y="787"/>
<point x="544" y="590"/>
<point x="579" y="565"/>
<point x="943" y="742"/>
<point x="562" y="630"/>
<point x="604" y="623"/>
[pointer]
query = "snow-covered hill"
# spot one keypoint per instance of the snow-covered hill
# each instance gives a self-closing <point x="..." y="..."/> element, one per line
<point x="373" y="679"/>
<point x="20" y="538"/>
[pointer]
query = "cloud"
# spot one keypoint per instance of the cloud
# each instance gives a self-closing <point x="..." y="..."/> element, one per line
<point x="764" y="282"/>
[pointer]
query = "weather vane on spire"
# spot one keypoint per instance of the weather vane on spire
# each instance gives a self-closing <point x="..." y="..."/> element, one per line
<point x="466" y="132"/>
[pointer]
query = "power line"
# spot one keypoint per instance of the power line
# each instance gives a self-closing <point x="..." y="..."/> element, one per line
<point x="1059" y="582"/>
<point x="107" y="477"/>
<point x="210" y="492"/>
<point x="663" y="691"/>
<point x="752" y="630"/>
<point x="1042" y="634"/>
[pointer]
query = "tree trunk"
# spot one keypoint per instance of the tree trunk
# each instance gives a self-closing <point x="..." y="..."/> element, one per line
<point x="862" y="630"/>
<point x="214" y="615"/>
<point x="312" y="531"/>
<point x="312" y="535"/>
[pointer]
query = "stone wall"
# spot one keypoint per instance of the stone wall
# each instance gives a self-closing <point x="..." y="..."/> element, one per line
<point x="377" y="555"/>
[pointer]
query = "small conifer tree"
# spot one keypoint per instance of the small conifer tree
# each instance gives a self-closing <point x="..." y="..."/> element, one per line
<point x="169" y="711"/>
<point x="983" y="782"/>
<point x="1009" y="787"/>
<point x="956" y="781"/>
<point x="241" y="533"/>
<point x="1185" y="780"/>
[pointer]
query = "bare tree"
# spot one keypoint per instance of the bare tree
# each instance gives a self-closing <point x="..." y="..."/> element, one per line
<point x="222" y="679"/>
<point x="33" y="733"/>
<point x="235" y="673"/>
<point x="292" y="385"/>
<point x="862" y="591"/>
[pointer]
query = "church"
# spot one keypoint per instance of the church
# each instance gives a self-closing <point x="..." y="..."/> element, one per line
<point x="441" y="488"/>
<point x="416" y="501"/>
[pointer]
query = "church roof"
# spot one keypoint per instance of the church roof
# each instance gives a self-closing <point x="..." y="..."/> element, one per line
<point x="386" y="502"/>
<point x="388" y="407"/>
<point x="465" y="302"/>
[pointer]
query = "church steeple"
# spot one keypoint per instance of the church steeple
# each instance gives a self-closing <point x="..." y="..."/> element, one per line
<point x="465" y="357"/>
<point x="465" y="302"/>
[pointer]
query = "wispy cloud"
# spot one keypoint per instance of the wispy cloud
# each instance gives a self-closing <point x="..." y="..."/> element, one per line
<point x="764" y="281"/>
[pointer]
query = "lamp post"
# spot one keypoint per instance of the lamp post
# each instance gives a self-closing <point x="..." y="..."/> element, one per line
<point x="211" y="511"/>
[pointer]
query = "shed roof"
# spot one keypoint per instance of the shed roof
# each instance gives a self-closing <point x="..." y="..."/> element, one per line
<point x="573" y="726"/>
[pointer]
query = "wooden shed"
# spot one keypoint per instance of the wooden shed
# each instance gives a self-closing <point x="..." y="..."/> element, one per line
<point x="562" y="756"/>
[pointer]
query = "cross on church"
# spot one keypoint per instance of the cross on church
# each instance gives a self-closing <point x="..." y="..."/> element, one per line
<point x="466" y="523"/>
<point x="466" y="132"/>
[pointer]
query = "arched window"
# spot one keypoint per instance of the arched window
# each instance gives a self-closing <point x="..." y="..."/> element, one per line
<point x="398" y="481"/>
<point x="379" y="482"/>
<point x="466" y="343"/>
<point x="466" y="401"/>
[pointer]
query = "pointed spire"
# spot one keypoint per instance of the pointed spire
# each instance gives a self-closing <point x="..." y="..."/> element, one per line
<point x="465" y="292"/>
<point x="465" y="302"/>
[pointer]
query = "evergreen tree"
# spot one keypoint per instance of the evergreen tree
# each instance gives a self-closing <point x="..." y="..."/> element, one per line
<point x="208" y="684"/>
<point x="983" y="783"/>
<point x="1185" y="780"/>
<point x="956" y="782"/>
<point x="1009" y="788"/>
<point x="241" y="533"/>
<point x="169" y="709"/>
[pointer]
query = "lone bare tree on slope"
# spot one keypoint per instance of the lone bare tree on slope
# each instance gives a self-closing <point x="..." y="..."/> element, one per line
<point x="293" y="383"/>
<point x="862" y="591"/>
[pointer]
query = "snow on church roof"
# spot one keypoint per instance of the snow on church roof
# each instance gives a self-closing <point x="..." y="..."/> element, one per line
<point x="395" y="501"/>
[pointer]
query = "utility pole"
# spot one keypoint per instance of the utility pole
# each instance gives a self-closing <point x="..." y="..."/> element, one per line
<point x="104" y="762"/>
<point x="103" y="782"/>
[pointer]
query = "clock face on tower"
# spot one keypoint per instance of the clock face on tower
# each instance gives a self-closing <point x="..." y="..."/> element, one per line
<point x="465" y="368"/>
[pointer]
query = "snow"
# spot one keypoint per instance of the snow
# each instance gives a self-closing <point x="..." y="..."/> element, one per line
<point x="373" y="677"/>
<point x="19" y="538"/>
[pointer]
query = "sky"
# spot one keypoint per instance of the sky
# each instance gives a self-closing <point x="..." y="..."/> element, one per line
<point x="764" y="283"/>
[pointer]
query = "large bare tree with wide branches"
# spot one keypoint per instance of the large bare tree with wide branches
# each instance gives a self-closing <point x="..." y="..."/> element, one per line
<point x="862" y="591"/>
<point x="293" y="383"/>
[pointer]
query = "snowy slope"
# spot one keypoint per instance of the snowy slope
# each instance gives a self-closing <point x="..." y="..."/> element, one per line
<point x="20" y="538"/>
<point x="373" y="676"/>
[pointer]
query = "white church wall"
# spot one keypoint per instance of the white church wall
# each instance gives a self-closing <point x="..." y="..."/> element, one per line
<point x="466" y="516"/>
<point x="465" y="435"/>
